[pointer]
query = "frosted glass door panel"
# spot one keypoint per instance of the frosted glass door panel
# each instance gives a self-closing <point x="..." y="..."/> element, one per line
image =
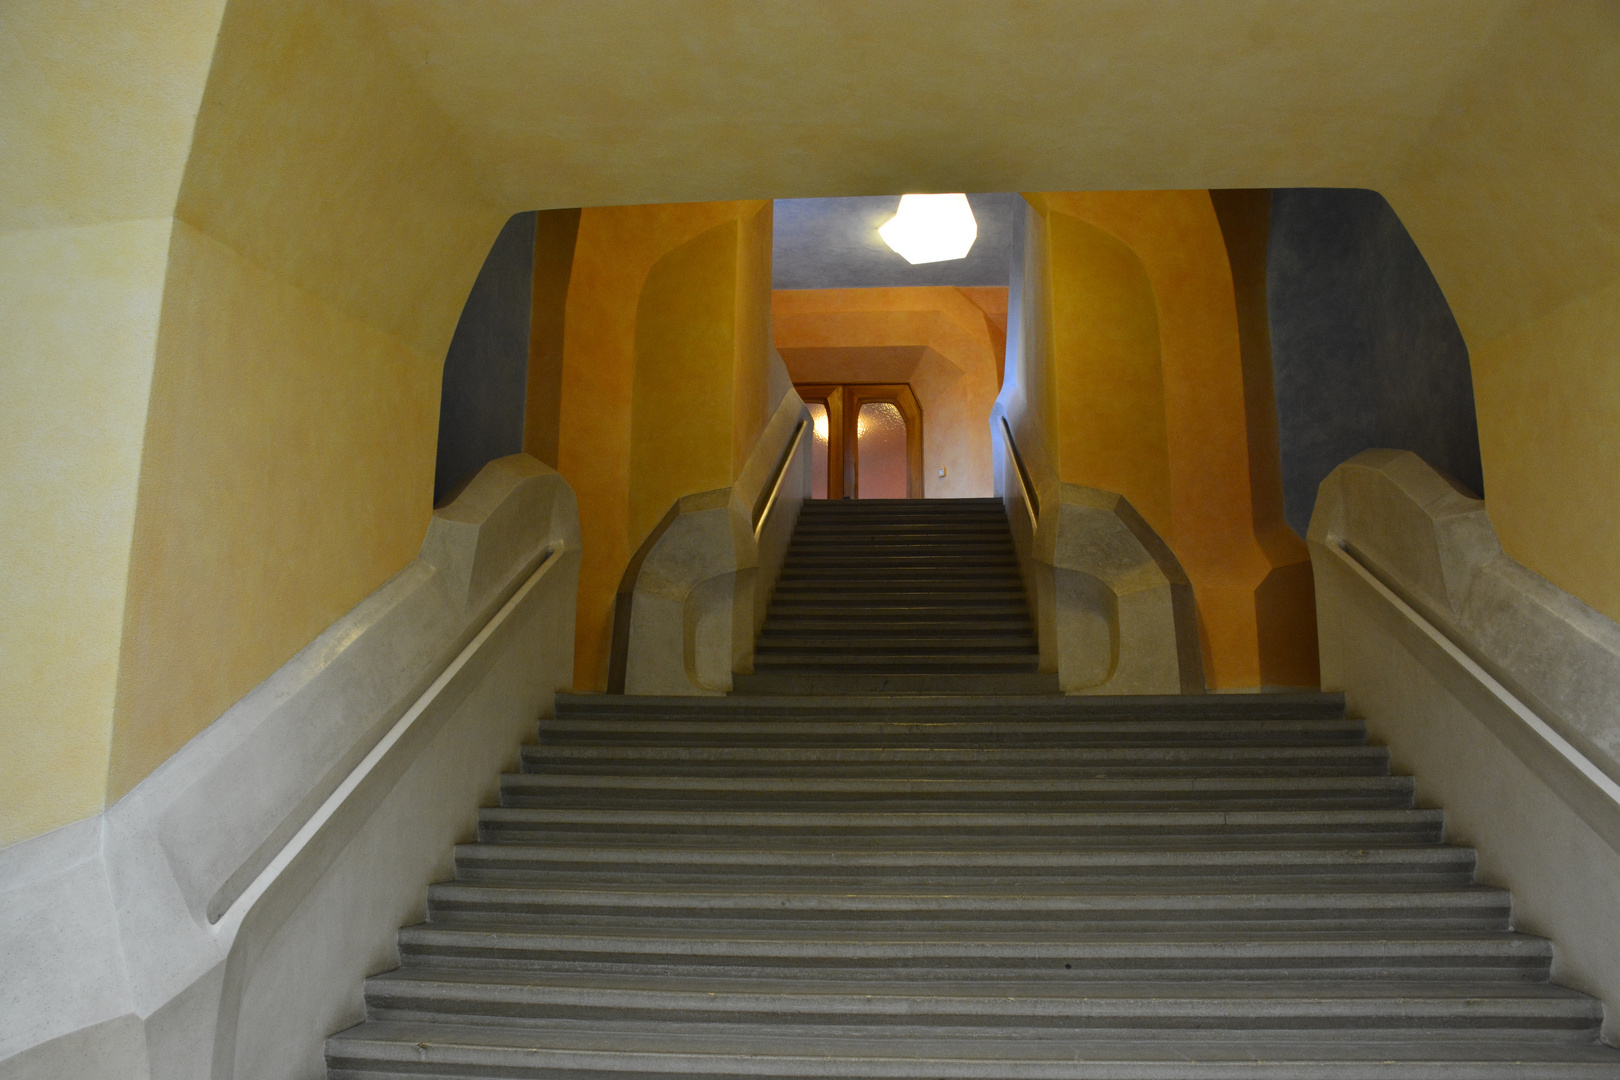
<point x="818" y="450"/>
<point x="880" y="452"/>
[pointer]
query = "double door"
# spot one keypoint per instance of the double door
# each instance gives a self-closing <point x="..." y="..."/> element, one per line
<point x="868" y="441"/>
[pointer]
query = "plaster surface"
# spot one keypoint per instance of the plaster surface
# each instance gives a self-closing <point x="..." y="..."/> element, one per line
<point x="484" y="392"/>
<point x="81" y="306"/>
<point x="834" y="244"/>
<point x="309" y="132"/>
<point x="1365" y="349"/>
<point x="1127" y="374"/>
<point x="622" y="365"/>
<point x="555" y="234"/>
<point x="217" y="920"/>
<point x="703" y="587"/>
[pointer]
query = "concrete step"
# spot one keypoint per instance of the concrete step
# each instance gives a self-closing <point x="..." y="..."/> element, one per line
<point x="1010" y="864"/>
<point x="1151" y="907"/>
<point x="951" y="665"/>
<point x="1170" y="793"/>
<point x="899" y="570"/>
<point x="909" y="622"/>
<point x="515" y="997"/>
<point x="923" y="954"/>
<point x="932" y="683"/>
<point x="642" y="1050"/>
<point x="844" y="595"/>
<point x="875" y="609"/>
<point x="853" y="732"/>
<point x="939" y="829"/>
<point x="1211" y="708"/>
<point x="947" y="885"/>
<point x="958" y="763"/>
<point x="954" y="556"/>
<point x="783" y="641"/>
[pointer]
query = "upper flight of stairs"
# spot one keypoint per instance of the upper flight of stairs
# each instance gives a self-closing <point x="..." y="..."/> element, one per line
<point x="895" y="596"/>
<point x="1018" y="887"/>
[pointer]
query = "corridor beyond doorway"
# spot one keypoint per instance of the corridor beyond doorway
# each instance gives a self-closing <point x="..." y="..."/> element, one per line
<point x="868" y="441"/>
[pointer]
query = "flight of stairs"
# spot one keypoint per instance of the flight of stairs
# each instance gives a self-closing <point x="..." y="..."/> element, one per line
<point x="898" y="596"/>
<point x="934" y="887"/>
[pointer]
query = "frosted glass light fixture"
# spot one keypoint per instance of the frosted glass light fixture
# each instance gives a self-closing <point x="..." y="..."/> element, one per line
<point x="931" y="228"/>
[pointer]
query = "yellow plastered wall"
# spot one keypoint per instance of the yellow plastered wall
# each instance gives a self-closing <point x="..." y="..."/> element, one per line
<point x="1488" y="124"/>
<point x="681" y="399"/>
<point x="96" y="117"/>
<point x="1110" y="375"/>
<point x="326" y="233"/>
<point x="1512" y="198"/>
<point x="622" y="372"/>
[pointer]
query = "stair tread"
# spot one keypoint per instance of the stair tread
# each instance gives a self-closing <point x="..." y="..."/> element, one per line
<point x="1194" y="1052"/>
<point x="1115" y="990"/>
<point x="910" y="942"/>
<point x="1001" y="855"/>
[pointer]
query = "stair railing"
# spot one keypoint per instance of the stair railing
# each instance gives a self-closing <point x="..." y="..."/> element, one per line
<point x="1032" y="501"/>
<point x="767" y="499"/>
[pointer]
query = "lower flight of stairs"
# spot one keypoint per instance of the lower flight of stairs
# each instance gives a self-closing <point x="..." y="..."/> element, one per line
<point x="1023" y="887"/>
<point x="897" y="596"/>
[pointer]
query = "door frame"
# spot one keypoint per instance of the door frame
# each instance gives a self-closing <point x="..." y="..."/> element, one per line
<point x="843" y="402"/>
<point x="831" y="397"/>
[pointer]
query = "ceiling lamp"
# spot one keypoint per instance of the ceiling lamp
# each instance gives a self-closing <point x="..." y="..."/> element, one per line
<point x="931" y="228"/>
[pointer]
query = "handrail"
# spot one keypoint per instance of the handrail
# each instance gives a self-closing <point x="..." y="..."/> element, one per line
<point x="228" y="909"/>
<point x="1032" y="501"/>
<point x="624" y="602"/>
<point x="1603" y="813"/>
<point x="763" y="511"/>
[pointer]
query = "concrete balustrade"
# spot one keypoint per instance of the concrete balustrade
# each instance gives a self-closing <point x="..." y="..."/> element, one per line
<point x="694" y="597"/>
<point x="217" y="921"/>
<point x="1489" y="683"/>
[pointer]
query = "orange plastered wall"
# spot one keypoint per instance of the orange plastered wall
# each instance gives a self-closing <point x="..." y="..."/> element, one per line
<point x="692" y="343"/>
<point x="1151" y="401"/>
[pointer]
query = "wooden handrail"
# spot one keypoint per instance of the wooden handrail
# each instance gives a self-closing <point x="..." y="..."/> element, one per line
<point x="1032" y="501"/>
<point x="762" y="509"/>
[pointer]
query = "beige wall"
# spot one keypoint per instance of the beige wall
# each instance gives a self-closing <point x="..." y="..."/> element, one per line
<point x="288" y="464"/>
<point x="352" y="162"/>
<point x="1511" y="196"/>
<point x="96" y="116"/>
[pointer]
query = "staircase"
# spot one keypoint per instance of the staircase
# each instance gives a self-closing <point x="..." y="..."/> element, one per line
<point x="899" y="596"/>
<point x="953" y="887"/>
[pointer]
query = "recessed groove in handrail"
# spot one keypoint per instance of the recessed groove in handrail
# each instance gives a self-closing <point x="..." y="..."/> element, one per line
<point x="762" y="510"/>
<point x="1032" y="501"/>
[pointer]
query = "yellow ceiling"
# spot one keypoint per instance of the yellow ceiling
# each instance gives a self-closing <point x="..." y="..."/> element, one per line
<point x="596" y="102"/>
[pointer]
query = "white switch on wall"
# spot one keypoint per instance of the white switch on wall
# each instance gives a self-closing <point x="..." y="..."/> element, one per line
<point x="942" y="472"/>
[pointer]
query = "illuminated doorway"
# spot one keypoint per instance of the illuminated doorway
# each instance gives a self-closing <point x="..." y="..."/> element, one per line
<point x="868" y="441"/>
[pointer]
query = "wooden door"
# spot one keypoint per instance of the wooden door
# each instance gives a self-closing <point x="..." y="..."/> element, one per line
<point x="841" y="406"/>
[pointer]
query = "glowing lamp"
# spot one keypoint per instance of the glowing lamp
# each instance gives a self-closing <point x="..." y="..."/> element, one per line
<point x="931" y="228"/>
